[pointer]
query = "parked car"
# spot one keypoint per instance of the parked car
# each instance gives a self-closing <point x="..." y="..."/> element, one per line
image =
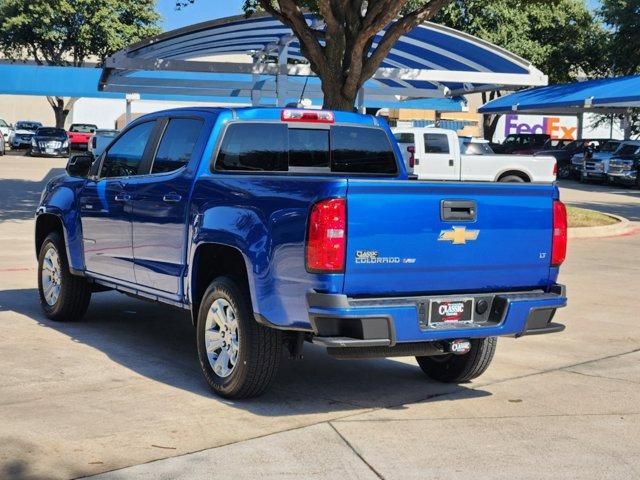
<point x="23" y="132"/>
<point x="302" y="225"/>
<point x="50" y="142"/>
<point x="5" y="130"/>
<point x="596" y="167"/>
<point x="521" y="143"/>
<point x="577" y="161"/>
<point x="435" y="154"/>
<point x="2" y="146"/>
<point x="624" y="170"/>
<point x="564" y="153"/>
<point x="100" y="140"/>
<point x="79" y="135"/>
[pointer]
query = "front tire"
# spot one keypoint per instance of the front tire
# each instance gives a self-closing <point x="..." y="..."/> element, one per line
<point x="460" y="368"/>
<point x="238" y="357"/>
<point x="64" y="297"/>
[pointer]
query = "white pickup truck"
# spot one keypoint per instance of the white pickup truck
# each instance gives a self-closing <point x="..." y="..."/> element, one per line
<point x="435" y="154"/>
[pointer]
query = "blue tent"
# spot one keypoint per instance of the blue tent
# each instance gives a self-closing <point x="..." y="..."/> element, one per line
<point x="607" y="95"/>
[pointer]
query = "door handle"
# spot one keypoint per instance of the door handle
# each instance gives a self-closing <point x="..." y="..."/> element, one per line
<point x="171" y="198"/>
<point x="451" y="162"/>
<point x="458" y="210"/>
<point x="122" y="197"/>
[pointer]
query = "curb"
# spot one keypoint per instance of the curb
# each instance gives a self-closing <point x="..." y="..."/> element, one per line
<point x="623" y="227"/>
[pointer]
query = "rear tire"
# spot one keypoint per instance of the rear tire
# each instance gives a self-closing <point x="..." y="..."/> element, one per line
<point x="564" y="172"/>
<point x="460" y="368"/>
<point x="64" y="297"/>
<point x="239" y="358"/>
<point x="512" y="179"/>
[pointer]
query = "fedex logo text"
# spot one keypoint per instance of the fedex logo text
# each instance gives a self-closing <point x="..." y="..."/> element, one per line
<point x="550" y="125"/>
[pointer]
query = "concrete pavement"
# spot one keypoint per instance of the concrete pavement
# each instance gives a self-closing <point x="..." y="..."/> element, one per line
<point x="123" y="389"/>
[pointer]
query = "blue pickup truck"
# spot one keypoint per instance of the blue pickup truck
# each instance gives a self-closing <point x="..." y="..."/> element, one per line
<point x="278" y="226"/>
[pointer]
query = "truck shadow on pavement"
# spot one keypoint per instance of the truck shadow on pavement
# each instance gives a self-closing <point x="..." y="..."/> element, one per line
<point x="19" y="198"/>
<point x="159" y="343"/>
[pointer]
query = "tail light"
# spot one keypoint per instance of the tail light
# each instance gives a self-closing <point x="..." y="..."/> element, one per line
<point x="412" y="156"/>
<point x="559" y="243"/>
<point x="555" y="169"/>
<point x="327" y="236"/>
<point x="311" y="116"/>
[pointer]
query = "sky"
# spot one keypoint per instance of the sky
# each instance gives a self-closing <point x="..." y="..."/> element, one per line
<point x="202" y="10"/>
<point x="199" y="11"/>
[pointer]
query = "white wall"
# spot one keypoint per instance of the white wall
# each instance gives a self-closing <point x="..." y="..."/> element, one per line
<point x="557" y="126"/>
<point x="105" y="112"/>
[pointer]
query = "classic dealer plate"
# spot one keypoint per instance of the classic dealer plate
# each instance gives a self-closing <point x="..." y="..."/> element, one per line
<point x="450" y="311"/>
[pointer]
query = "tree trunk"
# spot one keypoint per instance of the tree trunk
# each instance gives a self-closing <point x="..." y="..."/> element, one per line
<point x="334" y="95"/>
<point x="60" y="109"/>
<point x="490" y="123"/>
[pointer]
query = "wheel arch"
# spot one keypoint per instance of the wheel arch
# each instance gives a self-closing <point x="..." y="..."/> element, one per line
<point x="518" y="173"/>
<point x="212" y="260"/>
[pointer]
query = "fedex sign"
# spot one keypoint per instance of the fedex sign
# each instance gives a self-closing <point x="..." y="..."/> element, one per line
<point x="564" y="128"/>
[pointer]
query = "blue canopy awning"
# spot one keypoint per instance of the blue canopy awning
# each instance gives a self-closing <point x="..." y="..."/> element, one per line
<point x="607" y="95"/>
<point x="431" y="61"/>
<point x="19" y="79"/>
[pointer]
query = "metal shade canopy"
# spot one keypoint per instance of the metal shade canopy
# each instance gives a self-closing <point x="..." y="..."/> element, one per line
<point x="431" y="61"/>
<point x="607" y="95"/>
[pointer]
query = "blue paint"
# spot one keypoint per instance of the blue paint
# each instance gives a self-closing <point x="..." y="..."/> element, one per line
<point x="149" y="245"/>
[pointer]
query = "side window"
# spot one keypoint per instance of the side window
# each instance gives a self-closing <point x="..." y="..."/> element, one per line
<point x="254" y="147"/>
<point x="125" y="155"/>
<point x="436" y="143"/>
<point x="361" y="150"/>
<point x="177" y="144"/>
<point x="404" y="138"/>
<point x="308" y="148"/>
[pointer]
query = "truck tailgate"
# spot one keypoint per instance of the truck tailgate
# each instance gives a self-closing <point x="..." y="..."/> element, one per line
<point x="398" y="242"/>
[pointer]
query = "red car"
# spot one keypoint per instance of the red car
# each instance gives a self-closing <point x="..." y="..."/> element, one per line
<point x="79" y="135"/>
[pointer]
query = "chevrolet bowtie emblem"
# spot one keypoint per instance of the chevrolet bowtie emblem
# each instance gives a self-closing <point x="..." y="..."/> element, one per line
<point x="458" y="235"/>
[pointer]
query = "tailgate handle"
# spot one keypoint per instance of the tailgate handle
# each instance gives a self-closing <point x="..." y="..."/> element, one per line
<point x="458" y="210"/>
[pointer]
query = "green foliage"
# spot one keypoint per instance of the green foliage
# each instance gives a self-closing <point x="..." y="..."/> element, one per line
<point x="69" y="32"/>
<point x="623" y="17"/>
<point x="561" y="38"/>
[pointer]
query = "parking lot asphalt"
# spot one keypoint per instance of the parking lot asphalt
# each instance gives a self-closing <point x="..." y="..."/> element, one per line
<point x="122" y="393"/>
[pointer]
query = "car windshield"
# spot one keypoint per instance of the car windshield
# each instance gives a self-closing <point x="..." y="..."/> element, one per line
<point x="51" y="132"/>
<point x="627" y="149"/>
<point x="610" y="147"/>
<point x="28" y="125"/>
<point x="82" y="128"/>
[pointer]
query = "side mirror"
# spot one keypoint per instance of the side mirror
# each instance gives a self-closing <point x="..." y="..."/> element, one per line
<point x="79" y="165"/>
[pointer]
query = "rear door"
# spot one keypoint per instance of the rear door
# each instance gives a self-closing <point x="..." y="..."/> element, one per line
<point x="160" y="203"/>
<point x="402" y="238"/>
<point x="438" y="155"/>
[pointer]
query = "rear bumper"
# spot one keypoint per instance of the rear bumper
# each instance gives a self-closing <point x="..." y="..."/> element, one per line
<point x="339" y="321"/>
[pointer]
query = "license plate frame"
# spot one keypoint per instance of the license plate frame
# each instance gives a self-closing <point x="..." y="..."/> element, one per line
<point x="459" y="311"/>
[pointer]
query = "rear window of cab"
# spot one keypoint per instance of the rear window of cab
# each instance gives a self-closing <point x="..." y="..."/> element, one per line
<point x="277" y="147"/>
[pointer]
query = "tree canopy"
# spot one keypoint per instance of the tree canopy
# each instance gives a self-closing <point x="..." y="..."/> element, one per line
<point x="623" y="18"/>
<point x="72" y="32"/>
<point x="561" y="38"/>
